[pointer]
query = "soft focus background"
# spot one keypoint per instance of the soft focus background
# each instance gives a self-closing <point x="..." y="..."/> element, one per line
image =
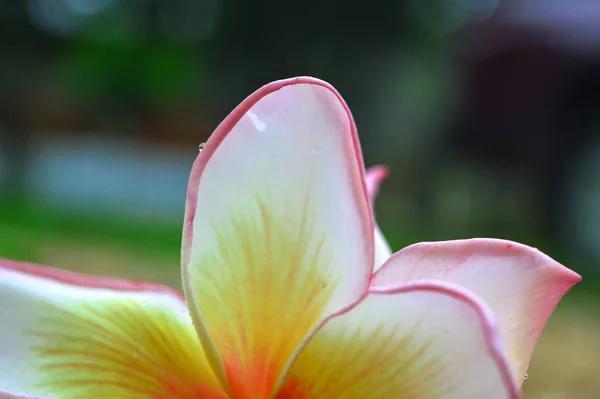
<point x="487" y="111"/>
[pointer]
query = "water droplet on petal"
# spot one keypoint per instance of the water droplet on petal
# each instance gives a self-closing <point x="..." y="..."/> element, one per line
<point x="200" y="147"/>
<point x="526" y="376"/>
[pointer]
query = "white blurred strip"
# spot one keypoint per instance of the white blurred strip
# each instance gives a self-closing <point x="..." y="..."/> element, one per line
<point x="108" y="175"/>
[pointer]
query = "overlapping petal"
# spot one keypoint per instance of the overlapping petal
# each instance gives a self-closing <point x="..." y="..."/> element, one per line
<point x="421" y="340"/>
<point x="373" y="178"/>
<point x="278" y="230"/>
<point x="519" y="283"/>
<point x="65" y="335"/>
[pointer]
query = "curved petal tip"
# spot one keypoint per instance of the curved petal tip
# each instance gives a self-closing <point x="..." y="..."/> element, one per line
<point x="519" y="283"/>
<point x="374" y="176"/>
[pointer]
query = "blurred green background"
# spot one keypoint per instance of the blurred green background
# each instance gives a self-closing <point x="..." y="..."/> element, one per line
<point x="487" y="112"/>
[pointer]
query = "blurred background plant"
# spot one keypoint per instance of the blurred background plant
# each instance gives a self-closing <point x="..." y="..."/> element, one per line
<point x="487" y="112"/>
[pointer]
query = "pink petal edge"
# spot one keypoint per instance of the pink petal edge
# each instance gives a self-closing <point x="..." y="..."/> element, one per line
<point x="86" y="280"/>
<point x="8" y="395"/>
<point x="497" y="246"/>
<point x="488" y="325"/>
<point x="374" y="176"/>
<point x="494" y="246"/>
<point x="228" y="124"/>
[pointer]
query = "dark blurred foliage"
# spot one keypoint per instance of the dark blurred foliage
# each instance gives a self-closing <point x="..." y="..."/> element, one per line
<point x="486" y="110"/>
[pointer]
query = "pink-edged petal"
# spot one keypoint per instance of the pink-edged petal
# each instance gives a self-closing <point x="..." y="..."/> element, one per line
<point x="278" y="229"/>
<point x="8" y="395"/>
<point x="519" y="283"/>
<point x="373" y="178"/>
<point x="65" y="335"/>
<point x="424" y="340"/>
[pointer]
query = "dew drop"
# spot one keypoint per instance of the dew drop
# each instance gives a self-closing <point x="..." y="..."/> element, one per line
<point x="526" y="376"/>
<point x="200" y="147"/>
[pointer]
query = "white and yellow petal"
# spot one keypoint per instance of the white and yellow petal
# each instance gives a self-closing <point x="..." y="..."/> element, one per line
<point x="65" y="335"/>
<point x="424" y="340"/>
<point x="278" y="230"/>
<point x="373" y="178"/>
<point x="520" y="284"/>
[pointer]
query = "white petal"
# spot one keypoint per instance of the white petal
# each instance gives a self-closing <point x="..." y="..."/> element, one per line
<point x="278" y="230"/>
<point x="519" y="283"/>
<point x="424" y="340"/>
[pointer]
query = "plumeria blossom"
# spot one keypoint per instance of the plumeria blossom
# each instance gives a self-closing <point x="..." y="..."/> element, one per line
<point x="290" y="290"/>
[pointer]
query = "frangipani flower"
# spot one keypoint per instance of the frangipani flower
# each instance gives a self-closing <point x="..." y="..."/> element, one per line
<point x="279" y="249"/>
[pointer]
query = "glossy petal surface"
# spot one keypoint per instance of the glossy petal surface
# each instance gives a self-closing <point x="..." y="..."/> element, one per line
<point x="66" y="336"/>
<point x="519" y="283"/>
<point x="373" y="178"/>
<point x="425" y="341"/>
<point x="278" y="229"/>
